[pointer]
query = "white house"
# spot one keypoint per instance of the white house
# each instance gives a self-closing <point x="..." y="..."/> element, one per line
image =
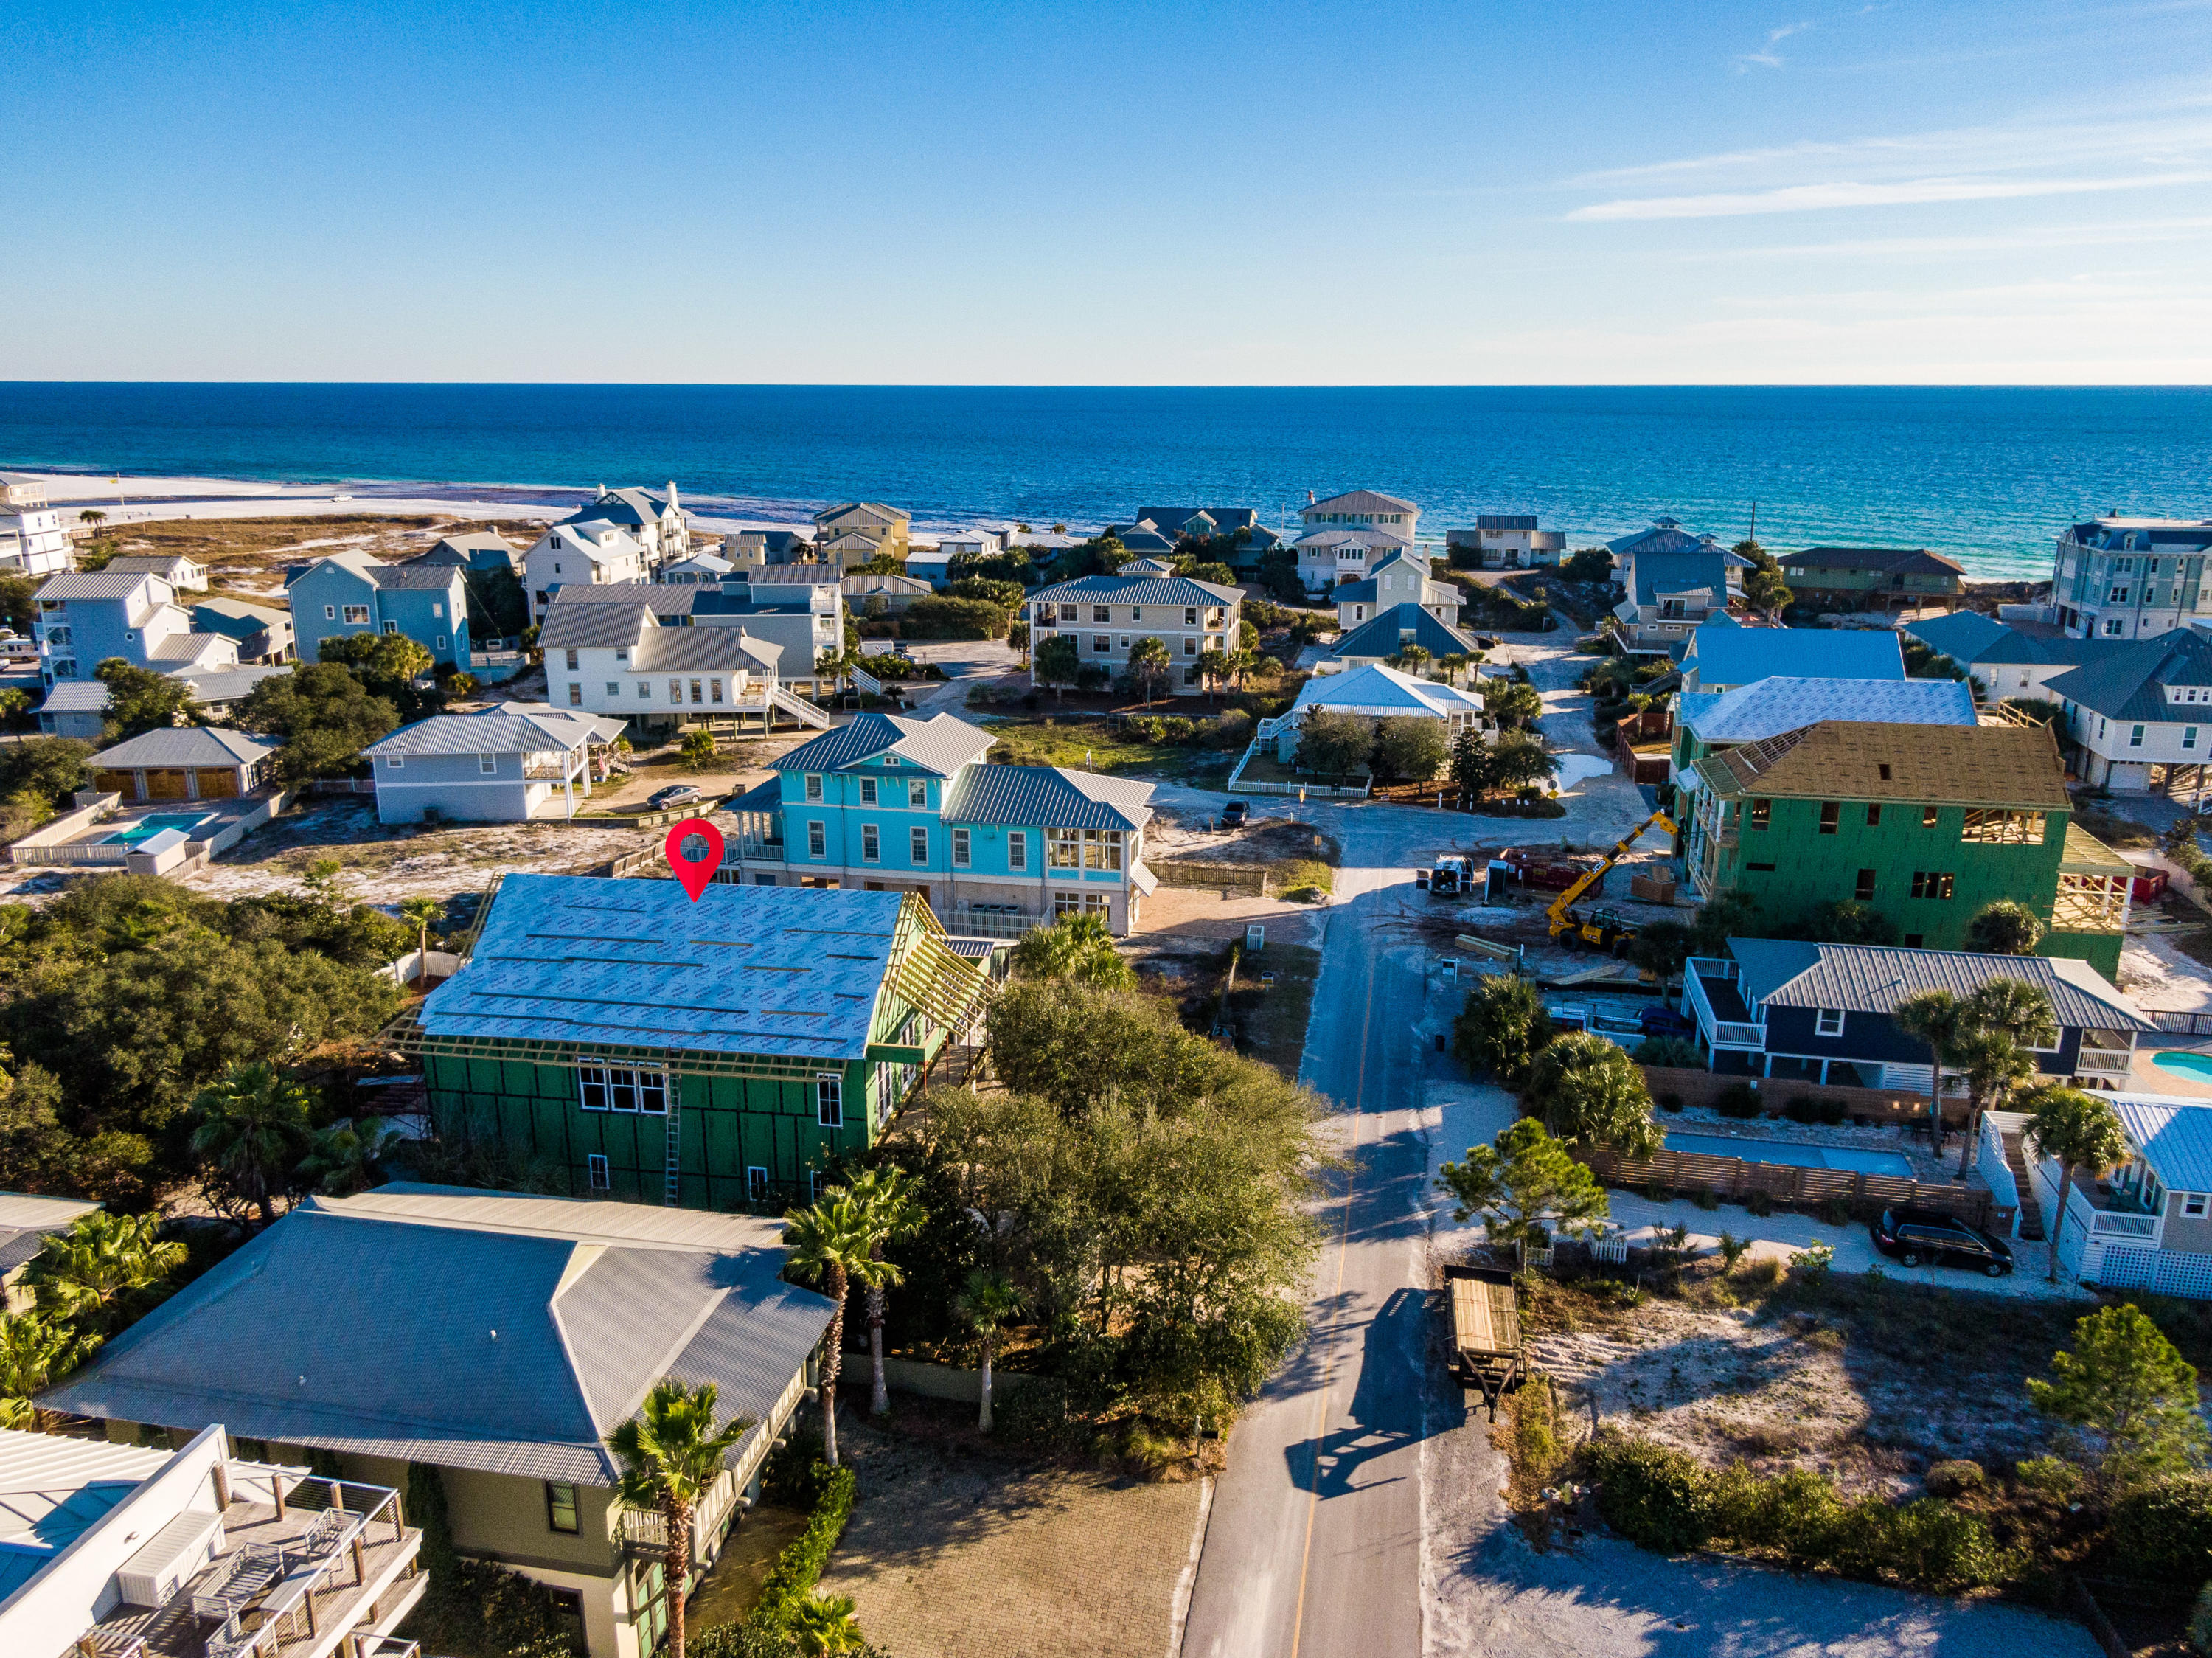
<point x="968" y="544"/>
<point x="32" y="540"/>
<point x="595" y="552"/>
<point x="504" y="763"/>
<point x="654" y="519"/>
<point x="1347" y="534"/>
<point x="1374" y="692"/>
<point x="2130" y="578"/>
<point x="617" y="658"/>
<point x="185" y="574"/>
<point x="691" y="572"/>
<point x="2141" y="716"/>
<point x="1505" y="540"/>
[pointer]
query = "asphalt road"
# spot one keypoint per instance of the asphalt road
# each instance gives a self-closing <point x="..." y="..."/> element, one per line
<point x="1313" y="1549"/>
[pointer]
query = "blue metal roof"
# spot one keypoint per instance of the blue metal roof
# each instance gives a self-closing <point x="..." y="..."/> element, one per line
<point x="1742" y="655"/>
<point x="940" y="744"/>
<point x="1046" y="797"/>
<point x="2175" y="1139"/>
<point x="751" y="970"/>
<point x="1379" y="636"/>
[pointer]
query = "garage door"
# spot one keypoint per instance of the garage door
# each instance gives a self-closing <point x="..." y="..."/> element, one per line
<point x="117" y="783"/>
<point x="218" y="782"/>
<point x="167" y="785"/>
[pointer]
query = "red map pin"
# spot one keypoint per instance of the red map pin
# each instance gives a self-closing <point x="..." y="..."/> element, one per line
<point x="695" y="872"/>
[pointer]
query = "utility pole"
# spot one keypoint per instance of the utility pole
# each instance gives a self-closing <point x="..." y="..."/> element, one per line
<point x="1754" y="523"/>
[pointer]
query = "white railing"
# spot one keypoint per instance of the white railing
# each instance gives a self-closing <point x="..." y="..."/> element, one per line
<point x="114" y="852"/>
<point x="1720" y="1032"/>
<point x="1994" y="1167"/>
<point x="985" y="924"/>
<point x="2114" y="1061"/>
<point x="2111" y="1224"/>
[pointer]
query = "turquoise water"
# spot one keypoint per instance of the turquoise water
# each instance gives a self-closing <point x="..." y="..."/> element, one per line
<point x="2197" y="1067"/>
<point x="147" y="826"/>
<point x="1987" y="475"/>
<point x="1795" y="1156"/>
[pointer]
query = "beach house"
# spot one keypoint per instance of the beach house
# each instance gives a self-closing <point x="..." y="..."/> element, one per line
<point x="1925" y="824"/>
<point x="2128" y="578"/>
<point x="893" y="804"/>
<point x="2141" y="718"/>
<point x="1345" y="536"/>
<point x="1708" y="723"/>
<point x="1374" y="692"/>
<point x="1400" y="577"/>
<point x="859" y="531"/>
<point x="1504" y="540"/>
<point x="2005" y="662"/>
<point x="184" y="575"/>
<point x="590" y="552"/>
<point x="1721" y="654"/>
<point x="1670" y="595"/>
<point x="83" y="619"/>
<point x="1108" y="616"/>
<point x="504" y="763"/>
<point x="350" y="593"/>
<point x="1851" y="579"/>
<point x="608" y="651"/>
<point x="484" y="1343"/>
<point x="654" y="519"/>
<point x="32" y="540"/>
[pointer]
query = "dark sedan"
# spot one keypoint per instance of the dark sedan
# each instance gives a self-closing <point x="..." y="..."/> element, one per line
<point x="1234" y="814"/>
<point x="1917" y="1235"/>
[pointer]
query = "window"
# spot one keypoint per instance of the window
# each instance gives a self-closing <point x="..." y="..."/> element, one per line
<point x="330" y="612"/>
<point x="829" y="1099"/>
<point x="2007" y="828"/>
<point x="592" y="1081"/>
<point x="1760" y="869"/>
<point x="1864" y="891"/>
<point x="1832" y="813"/>
<point x="1189" y="646"/>
<point x="1066" y="612"/>
<point x="755" y="1183"/>
<point x="1063" y="849"/>
<point x="697" y="693"/>
<point x="1927" y="817"/>
<point x="437" y="610"/>
<point x="676" y="692"/>
<point x="394" y="763"/>
<point x="2112" y="629"/>
<point x="870" y="843"/>
<point x="1136" y="613"/>
<point x="572" y="661"/>
<point x="867" y="791"/>
<point x="816" y="839"/>
<point x="813" y="787"/>
<point x="1101" y="644"/>
<point x="2118" y="596"/>
<point x="918" y="845"/>
<point x="575" y="694"/>
<point x="619" y="1087"/>
<point x="614" y="687"/>
<point x="488" y="763"/>
<point x="357" y="615"/>
<point x="1101" y="848"/>
<point x="714" y="690"/>
<point x="1017" y="848"/>
<point x="1125" y="642"/>
<point x="644" y="691"/>
<point x="2192" y="1204"/>
<point x="1100" y="614"/>
<point x="960" y="849"/>
<point x="1762" y="812"/>
<point x="2189" y="736"/>
<point x="1828" y="1021"/>
<point x="917" y="793"/>
<point x="1874" y="817"/>
<point x="1190" y="615"/>
<point x="1930" y="883"/>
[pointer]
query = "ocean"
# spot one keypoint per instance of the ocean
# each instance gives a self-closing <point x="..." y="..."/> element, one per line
<point x="1987" y="475"/>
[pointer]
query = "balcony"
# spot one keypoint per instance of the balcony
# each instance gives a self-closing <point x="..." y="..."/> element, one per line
<point x="291" y="1577"/>
<point x="2104" y="1062"/>
<point x="1709" y="988"/>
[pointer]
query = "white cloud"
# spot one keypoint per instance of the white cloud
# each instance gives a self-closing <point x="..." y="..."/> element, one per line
<point x="1811" y="198"/>
<point x="1767" y="57"/>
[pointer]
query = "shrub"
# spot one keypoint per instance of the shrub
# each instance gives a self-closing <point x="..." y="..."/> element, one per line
<point x="1674" y="1051"/>
<point x="1801" y="1110"/>
<point x="1955" y="1479"/>
<point x="1652" y="1494"/>
<point x="1705" y="1200"/>
<point x="1765" y="1272"/>
<point x="1670" y="1101"/>
<point x="1830" y="1112"/>
<point x="1932" y="1545"/>
<point x="1760" y="1204"/>
<point x="799" y="1568"/>
<point x="1738" y="1099"/>
<point x="2164" y="1529"/>
<point x="1836" y="1211"/>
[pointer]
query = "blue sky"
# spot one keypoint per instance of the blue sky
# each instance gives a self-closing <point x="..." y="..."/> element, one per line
<point x="1284" y="193"/>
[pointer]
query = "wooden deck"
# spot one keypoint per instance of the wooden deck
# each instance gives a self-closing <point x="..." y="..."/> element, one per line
<point x="1485" y="1318"/>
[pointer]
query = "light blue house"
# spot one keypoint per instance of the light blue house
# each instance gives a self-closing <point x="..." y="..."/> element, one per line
<point x="887" y="804"/>
<point x="350" y="592"/>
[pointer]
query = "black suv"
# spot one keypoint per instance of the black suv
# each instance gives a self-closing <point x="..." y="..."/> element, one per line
<point x="1915" y="1235"/>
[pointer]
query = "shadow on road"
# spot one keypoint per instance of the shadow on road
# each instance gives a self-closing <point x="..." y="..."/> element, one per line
<point x="1386" y="1404"/>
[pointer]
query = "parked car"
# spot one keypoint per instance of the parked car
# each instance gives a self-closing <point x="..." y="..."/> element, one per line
<point x="677" y="794"/>
<point x="1915" y="1235"/>
<point x="1665" y="1021"/>
<point x="1235" y="814"/>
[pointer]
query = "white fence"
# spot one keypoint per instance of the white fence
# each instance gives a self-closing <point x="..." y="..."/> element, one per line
<point x="43" y="845"/>
<point x="443" y="964"/>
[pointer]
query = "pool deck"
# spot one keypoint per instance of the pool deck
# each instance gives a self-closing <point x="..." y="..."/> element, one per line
<point x="2147" y="1076"/>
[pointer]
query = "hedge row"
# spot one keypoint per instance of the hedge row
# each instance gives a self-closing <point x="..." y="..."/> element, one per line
<point x="791" y="1580"/>
<point x="1665" y="1500"/>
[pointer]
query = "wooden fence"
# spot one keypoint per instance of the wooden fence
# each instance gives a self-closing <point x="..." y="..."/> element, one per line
<point x="1734" y="1178"/>
<point x="1229" y="877"/>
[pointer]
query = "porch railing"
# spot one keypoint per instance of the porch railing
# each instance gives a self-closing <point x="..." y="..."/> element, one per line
<point x="2108" y="1061"/>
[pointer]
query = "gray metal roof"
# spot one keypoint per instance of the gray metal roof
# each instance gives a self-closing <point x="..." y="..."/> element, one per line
<point x="95" y="584"/>
<point x="1362" y="501"/>
<point x="940" y="744"/>
<point x="569" y="626"/>
<point x="1138" y="590"/>
<point x="25" y="1220"/>
<point x="147" y="563"/>
<point x="415" y="575"/>
<point x="490" y="1331"/>
<point x="745" y="970"/>
<point x="503" y="728"/>
<point x="2175" y="1139"/>
<point x="76" y="697"/>
<point x="1875" y="979"/>
<point x="1752" y="713"/>
<point x="191" y="646"/>
<point x="190" y="745"/>
<point x="227" y="684"/>
<point x="690" y="648"/>
<point x="1046" y="797"/>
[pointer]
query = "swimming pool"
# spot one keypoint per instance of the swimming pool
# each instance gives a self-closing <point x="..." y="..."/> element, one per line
<point x="2197" y="1067"/>
<point x="133" y="833"/>
<point x="1795" y="1156"/>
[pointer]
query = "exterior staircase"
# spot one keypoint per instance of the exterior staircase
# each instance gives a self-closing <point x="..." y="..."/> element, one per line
<point x="799" y="708"/>
<point x="2031" y="1207"/>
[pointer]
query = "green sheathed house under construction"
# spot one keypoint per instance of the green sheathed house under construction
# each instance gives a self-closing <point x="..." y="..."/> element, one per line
<point x="718" y="1054"/>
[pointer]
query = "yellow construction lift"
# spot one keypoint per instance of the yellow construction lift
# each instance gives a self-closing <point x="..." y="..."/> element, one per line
<point x="1606" y="929"/>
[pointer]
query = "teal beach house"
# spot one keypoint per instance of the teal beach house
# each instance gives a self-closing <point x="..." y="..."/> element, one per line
<point x="887" y="804"/>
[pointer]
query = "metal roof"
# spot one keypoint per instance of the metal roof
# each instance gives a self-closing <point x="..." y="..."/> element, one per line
<point x="417" y="575"/>
<point x="1703" y="569"/>
<point x="191" y="745"/>
<point x="1362" y="501"/>
<point x="1379" y="691"/>
<point x="2128" y="684"/>
<point x="1994" y="765"/>
<point x="1139" y="590"/>
<point x="1753" y="712"/>
<point x="95" y="584"/>
<point x="1505" y="520"/>
<point x="2174" y="1137"/>
<point x="1666" y="535"/>
<point x="76" y="697"/>
<point x="1731" y="653"/>
<point x="1969" y="637"/>
<point x="1046" y="797"/>
<point x="476" y="1329"/>
<point x="785" y="970"/>
<point x="191" y="647"/>
<point x="227" y="684"/>
<point x="147" y="563"/>
<point x="691" y="648"/>
<point x="25" y="1220"/>
<point x="53" y="1490"/>
<point x="1379" y="635"/>
<point x="940" y="744"/>
<point x="502" y="729"/>
<point x="569" y="625"/>
<point x="1875" y="979"/>
<point x="1891" y="561"/>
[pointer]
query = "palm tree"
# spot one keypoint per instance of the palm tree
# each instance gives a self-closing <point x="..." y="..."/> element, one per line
<point x="105" y="1269"/>
<point x="1937" y="1018"/>
<point x="833" y="1241"/>
<point x="34" y="1353"/>
<point x="349" y="1157"/>
<point x="1075" y="947"/>
<point x="887" y="1195"/>
<point x="252" y="1128"/>
<point x="2019" y="1014"/>
<point x="1993" y="1065"/>
<point x="2079" y="1130"/>
<point x="825" y="1624"/>
<point x="986" y="1301"/>
<point x="1213" y="669"/>
<point x="422" y="912"/>
<point x="1410" y="659"/>
<point x="672" y="1452"/>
